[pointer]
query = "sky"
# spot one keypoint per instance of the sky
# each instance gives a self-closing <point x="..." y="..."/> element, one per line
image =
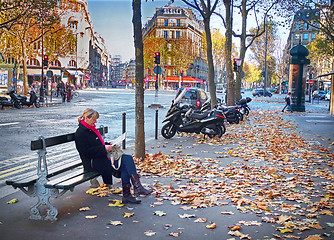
<point x="112" y="19"/>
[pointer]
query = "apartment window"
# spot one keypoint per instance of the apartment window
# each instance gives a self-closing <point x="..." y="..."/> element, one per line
<point x="177" y="34"/>
<point x="305" y="36"/>
<point x="297" y="36"/>
<point x="313" y="36"/>
<point x="178" y="22"/>
<point x="165" y="34"/>
<point x="305" y="26"/>
<point x="297" y="26"/>
<point x="166" y="22"/>
<point x="71" y="63"/>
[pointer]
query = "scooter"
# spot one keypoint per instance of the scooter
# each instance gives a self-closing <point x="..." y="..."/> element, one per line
<point x="33" y="100"/>
<point x="232" y="113"/>
<point x="211" y="124"/>
<point x="5" y="102"/>
<point x="244" y="108"/>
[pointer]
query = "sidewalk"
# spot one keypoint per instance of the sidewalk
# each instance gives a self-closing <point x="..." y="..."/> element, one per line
<point x="261" y="177"/>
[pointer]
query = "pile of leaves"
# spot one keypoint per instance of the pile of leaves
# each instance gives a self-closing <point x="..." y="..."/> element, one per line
<point x="261" y="166"/>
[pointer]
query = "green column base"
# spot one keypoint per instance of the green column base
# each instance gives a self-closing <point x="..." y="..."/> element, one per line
<point x="298" y="108"/>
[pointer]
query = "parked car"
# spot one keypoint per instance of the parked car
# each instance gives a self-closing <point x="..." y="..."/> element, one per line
<point x="328" y="96"/>
<point x="191" y="96"/>
<point x="319" y="95"/>
<point x="259" y="92"/>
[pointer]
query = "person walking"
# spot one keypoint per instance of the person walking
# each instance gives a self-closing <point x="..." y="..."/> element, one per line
<point x="93" y="153"/>
<point x="287" y="102"/>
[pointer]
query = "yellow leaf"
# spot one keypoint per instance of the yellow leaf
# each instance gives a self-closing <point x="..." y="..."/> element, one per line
<point x="201" y="220"/>
<point x="91" y="217"/>
<point x="117" y="203"/>
<point x="175" y="234"/>
<point x="327" y="212"/>
<point x="15" y="200"/>
<point x="127" y="215"/>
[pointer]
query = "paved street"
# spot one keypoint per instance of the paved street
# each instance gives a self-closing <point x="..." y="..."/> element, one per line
<point x="271" y="176"/>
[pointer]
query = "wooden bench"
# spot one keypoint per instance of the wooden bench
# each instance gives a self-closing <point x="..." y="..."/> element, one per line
<point x="52" y="180"/>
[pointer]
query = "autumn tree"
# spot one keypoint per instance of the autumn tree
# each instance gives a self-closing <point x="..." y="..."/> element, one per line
<point x="38" y="19"/>
<point x="206" y="9"/>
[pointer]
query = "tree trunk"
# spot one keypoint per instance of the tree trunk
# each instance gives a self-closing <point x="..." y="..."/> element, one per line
<point x="242" y="51"/>
<point x="24" y="56"/>
<point x="228" y="54"/>
<point x="139" y="75"/>
<point x="211" y="71"/>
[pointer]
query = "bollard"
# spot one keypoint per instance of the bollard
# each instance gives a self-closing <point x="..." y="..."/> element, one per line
<point x="156" y="124"/>
<point x="124" y="128"/>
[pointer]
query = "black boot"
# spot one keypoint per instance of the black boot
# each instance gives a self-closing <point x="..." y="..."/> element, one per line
<point x="127" y="197"/>
<point x="139" y="189"/>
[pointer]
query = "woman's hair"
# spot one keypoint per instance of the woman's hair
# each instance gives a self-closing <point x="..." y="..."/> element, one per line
<point x="88" y="112"/>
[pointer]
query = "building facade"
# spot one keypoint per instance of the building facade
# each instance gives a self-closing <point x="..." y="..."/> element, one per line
<point x="182" y="33"/>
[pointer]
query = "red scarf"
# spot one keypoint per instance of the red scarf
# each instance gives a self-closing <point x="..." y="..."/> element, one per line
<point x="93" y="128"/>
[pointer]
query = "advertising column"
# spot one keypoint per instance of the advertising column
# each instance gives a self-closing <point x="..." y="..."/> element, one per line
<point x="297" y="77"/>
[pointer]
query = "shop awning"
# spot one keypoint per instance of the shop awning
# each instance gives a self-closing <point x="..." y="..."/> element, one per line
<point x="176" y="79"/>
<point x="72" y="72"/>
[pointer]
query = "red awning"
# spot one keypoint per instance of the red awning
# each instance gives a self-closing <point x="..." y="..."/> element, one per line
<point x="87" y="77"/>
<point x="172" y="79"/>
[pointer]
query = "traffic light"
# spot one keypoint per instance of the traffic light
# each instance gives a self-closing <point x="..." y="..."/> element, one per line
<point x="181" y="73"/>
<point x="310" y="75"/>
<point x="157" y="58"/>
<point x="235" y="66"/>
<point x="45" y="60"/>
<point x="263" y="73"/>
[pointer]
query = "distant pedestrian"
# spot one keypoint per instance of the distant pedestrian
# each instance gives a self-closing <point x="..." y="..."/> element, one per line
<point x="62" y="90"/>
<point x="68" y="91"/>
<point x="287" y="102"/>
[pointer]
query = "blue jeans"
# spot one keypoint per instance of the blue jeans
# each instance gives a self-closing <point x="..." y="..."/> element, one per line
<point x="286" y="106"/>
<point x="127" y="168"/>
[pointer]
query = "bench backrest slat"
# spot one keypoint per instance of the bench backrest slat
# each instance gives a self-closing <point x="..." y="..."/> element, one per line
<point x="53" y="141"/>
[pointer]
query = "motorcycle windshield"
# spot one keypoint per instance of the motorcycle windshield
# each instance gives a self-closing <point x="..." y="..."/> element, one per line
<point x="186" y="95"/>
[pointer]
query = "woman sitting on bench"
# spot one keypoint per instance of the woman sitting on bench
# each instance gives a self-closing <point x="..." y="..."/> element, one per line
<point x="93" y="153"/>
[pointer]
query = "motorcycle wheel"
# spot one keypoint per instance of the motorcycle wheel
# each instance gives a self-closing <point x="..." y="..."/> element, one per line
<point x="240" y="116"/>
<point x="17" y="104"/>
<point x="37" y="104"/>
<point x="168" y="130"/>
<point x="219" y="132"/>
<point x="246" y="111"/>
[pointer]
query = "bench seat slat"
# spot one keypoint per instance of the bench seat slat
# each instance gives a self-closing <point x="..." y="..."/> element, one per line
<point x="30" y="179"/>
<point x="68" y="175"/>
<point x="71" y="183"/>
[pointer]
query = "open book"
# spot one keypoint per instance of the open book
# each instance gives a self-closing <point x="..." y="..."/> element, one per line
<point x="118" y="140"/>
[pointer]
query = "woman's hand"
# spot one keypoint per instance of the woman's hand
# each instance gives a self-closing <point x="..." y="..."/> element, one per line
<point x="108" y="147"/>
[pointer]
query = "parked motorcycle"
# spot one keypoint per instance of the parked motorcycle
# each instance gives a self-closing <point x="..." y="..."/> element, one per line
<point x="5" y="102"/>
<point x="211" y="124"/>
<point x="244" y="108"/>
<point x="23" y="100"/>
<point x="232" y="113"/>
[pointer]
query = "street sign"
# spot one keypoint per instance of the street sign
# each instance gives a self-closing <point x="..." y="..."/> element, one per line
<point x="49" y="73"/>
<point x="310" y="82"/>
<point x="76" y="73"/>
<point x="157" y="70"/>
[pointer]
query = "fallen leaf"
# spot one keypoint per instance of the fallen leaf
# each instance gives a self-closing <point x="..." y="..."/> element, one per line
<point x="159" y="213"/>
<point x="212" y="226"/>
<point x="175" y="234"/>
<point x="187" y="215"/>
<point x="117" y="203"/>
<point x="84" y="209"/>
<point x="15" y="200"/>
<point x="149" y="233"/>
<point x="167" y="226"/>
<point x="201" y="220"/>
<point x="128" y="215"/>
<point x="313" y="237"/>
<point x="228" y="213"/>
<point x="115" y="223"/>
<point x="91" y="217"/>
<point x="235" y="228"/>
<point x="327" y="212"/>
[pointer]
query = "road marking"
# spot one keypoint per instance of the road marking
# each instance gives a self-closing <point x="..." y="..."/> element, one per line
<point x="318" y="121"/>
<point x="7" y="124"/>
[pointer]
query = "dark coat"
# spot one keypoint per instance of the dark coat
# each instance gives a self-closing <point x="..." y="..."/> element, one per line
<point x="93" y="153"/>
